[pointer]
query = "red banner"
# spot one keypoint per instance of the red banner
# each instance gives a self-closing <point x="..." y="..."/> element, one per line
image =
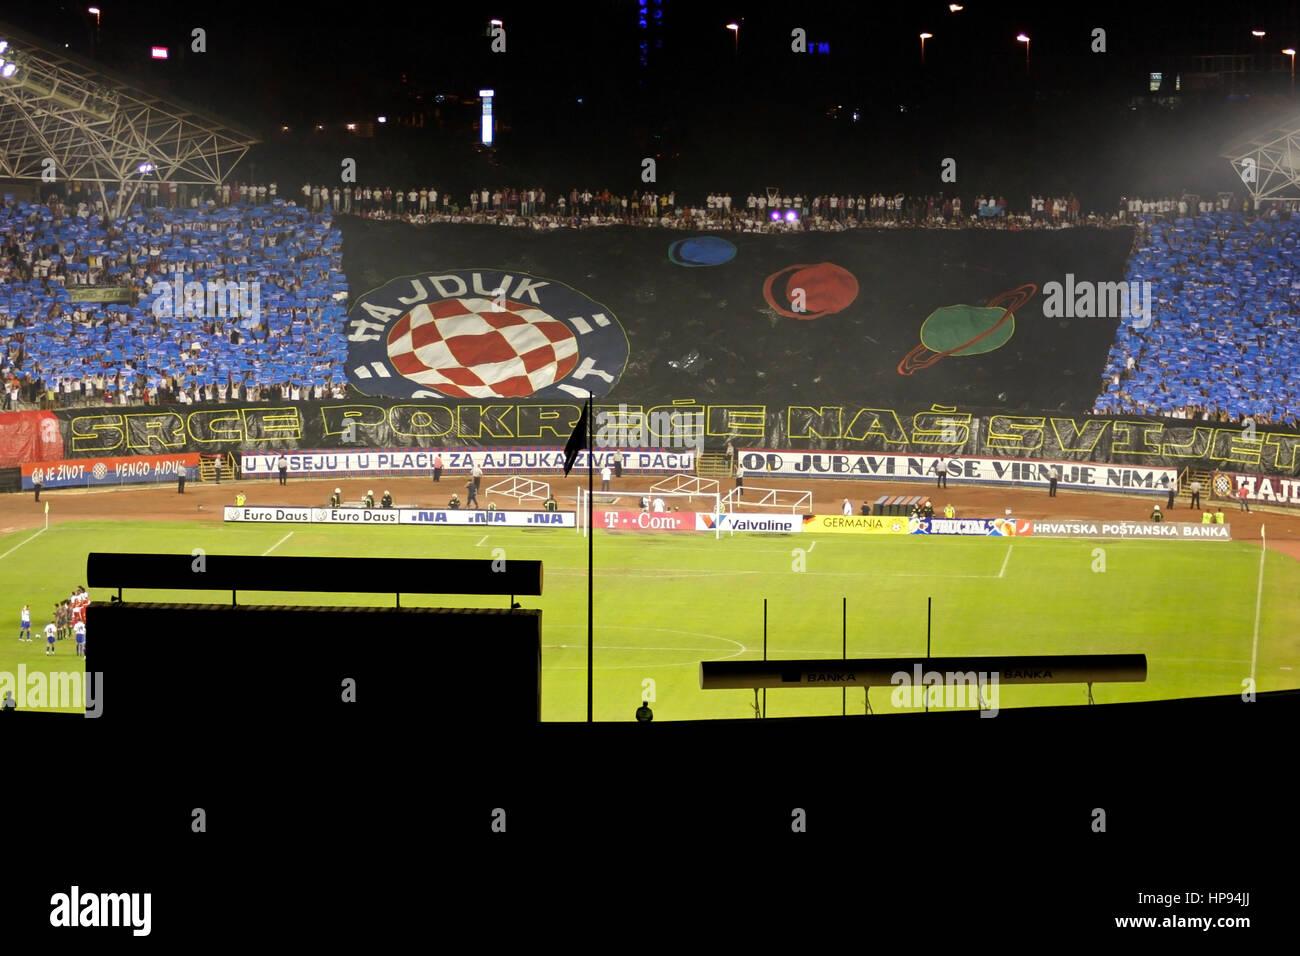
<point x="645" y="521"/>
<point x="29" y="436"/>
<point x="1261" y="489"/>
<point x="122" y="470"/>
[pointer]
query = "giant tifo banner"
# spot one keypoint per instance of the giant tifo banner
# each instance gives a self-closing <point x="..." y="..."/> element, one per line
<point x="1260" y="489"/>
<point x="682" y="423"/>
<point x="479" y="313"/>
<point x="92" y="472"/>
<point x="987" y="471"/>
<point x="459" y="460"/>
<point x="906" y="431"/>
<point x="29" y="436"/>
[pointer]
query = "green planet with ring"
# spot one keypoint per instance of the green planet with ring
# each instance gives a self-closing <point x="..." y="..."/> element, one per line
<point x="967" y="329"/>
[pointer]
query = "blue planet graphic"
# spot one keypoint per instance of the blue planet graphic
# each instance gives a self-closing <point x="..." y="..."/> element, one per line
<point x="701" y="251"/>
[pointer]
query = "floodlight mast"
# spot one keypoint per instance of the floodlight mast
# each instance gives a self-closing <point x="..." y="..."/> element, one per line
<point x="1264" y="160"/>
<point x="99" y="126"/>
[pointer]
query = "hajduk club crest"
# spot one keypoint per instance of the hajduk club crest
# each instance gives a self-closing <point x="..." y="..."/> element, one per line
<point x="483" y="334"/>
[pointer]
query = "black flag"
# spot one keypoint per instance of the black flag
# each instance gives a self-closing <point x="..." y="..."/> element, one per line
<point x="577" y="441"/>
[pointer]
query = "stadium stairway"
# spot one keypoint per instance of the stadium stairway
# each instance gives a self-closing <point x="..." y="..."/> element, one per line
<point x="208" y="467"/>
<point x="1184" y="486"/>
<point x="712" y="464"/>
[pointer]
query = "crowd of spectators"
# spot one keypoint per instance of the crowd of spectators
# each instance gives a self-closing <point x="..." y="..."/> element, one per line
<point x="1223" y="340"/>
<point x="1220" y="345"/>
<point x="88" y="312"/>
<point x="759" y="211"/>
<point x="1166" y="207"/>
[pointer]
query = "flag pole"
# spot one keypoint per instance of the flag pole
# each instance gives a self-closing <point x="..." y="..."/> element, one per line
<point x="591" y="542"/>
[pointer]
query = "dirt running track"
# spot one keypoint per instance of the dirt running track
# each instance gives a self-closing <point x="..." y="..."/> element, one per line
<point x="203" y="502"/>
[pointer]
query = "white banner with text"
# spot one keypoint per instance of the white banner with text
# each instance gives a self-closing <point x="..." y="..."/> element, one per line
<point x="1137" y="479"/>
<point x="514" y="461"/>
<point x="396" y="516"/>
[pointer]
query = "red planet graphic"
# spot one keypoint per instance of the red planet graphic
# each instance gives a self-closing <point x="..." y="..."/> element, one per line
<point x="827" y="289"/>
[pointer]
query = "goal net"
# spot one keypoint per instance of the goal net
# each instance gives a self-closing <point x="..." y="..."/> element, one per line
<point x="692" y="485"/>
<point x="750" y="498"/>
<point x="524" y="489"/>
<point x="651" y="501"/>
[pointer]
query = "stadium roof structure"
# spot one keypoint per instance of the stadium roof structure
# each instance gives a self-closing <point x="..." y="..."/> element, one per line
<point x="101" y="127"/>
<point x="1267" y="159"/>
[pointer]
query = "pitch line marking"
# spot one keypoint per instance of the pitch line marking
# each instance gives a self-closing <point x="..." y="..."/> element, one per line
<point x="619" y="647"/>
<point x="666" y="630"/>
<point x="21" y="543"/>
<point x="1259" y="600"/>
<point x="1003" y="572"/>
<point x="480" y="544"/>
<point x="277" y="544"/>
<point x="811" y="546"/>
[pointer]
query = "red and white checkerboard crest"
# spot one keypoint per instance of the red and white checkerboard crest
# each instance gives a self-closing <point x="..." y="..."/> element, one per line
<point x="483" y="335"/>
<point x="467" y="348"/>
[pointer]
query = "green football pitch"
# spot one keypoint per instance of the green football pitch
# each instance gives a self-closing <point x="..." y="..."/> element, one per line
<point x="1201" y="611"/>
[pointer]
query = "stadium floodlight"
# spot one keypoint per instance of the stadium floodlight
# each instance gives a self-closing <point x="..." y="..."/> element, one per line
<point x="1023" y="38"/>
<point x="145" y="168"/>
<point x="382" y="119"/>
<point x="158" y="52"/>
<point x="7" y="70"/>
<point x="924" y="37"/>
<point x="486" y="135"/>
<point x="1257" y="33"/>
<point x="4" y="45"/>
<point x="955" y="7"/>
<point x="1290" y="51"/>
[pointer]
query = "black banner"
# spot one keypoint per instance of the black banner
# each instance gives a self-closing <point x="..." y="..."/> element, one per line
<point x="956" y="431"/>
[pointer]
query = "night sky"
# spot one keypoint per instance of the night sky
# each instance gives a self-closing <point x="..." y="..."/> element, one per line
<point x="293" y="62"/>
<point x="578" y="99"/>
